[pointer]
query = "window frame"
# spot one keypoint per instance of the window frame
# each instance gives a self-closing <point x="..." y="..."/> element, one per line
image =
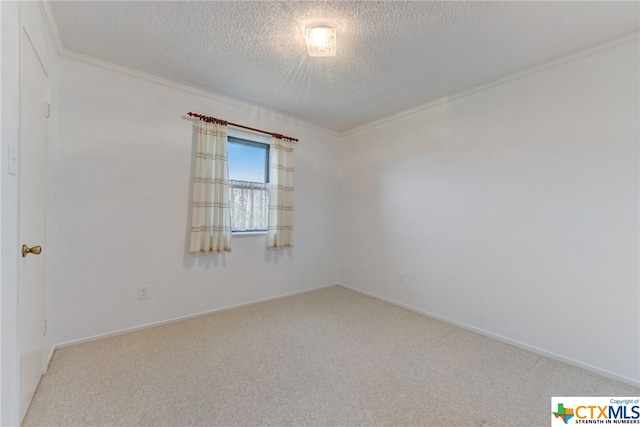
<point x="251" y="143"/>
<point x="244" y="140"/>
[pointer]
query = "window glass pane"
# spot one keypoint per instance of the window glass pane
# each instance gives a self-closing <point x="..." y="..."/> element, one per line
<point x="249" y="205"/>
<point x="248" y="161"/>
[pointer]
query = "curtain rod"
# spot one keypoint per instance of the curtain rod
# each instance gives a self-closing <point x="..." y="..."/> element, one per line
<point x="224" y="122"/>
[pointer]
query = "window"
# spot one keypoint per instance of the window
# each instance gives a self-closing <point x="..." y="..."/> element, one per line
<point x="248" y="163"/>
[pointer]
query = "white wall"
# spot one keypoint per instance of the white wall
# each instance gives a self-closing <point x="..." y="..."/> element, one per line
<point x="15" y="16"/>
<point x="121" y="208"/>
<point x="512" y="210"/>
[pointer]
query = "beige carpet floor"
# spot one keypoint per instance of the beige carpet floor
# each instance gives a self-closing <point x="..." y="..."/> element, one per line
<point x="331" y="357"/>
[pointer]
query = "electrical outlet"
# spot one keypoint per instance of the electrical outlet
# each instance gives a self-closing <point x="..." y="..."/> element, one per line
<point x="143" y="292"/>
<point x="403" y="279"/>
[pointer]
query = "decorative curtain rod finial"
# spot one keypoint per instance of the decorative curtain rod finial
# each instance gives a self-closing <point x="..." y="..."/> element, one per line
<point x="223" y="122"/>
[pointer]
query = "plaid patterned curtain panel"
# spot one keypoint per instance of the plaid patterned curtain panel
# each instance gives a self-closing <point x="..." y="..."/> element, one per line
<point x="211" y="216"/>
<point x="280" y="231"/>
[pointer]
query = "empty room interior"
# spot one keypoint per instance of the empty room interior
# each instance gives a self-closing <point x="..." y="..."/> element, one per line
<point x="443" y="227"/>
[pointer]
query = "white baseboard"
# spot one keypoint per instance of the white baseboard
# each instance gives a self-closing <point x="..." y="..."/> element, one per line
<point x="524" y="346"/>
<point x="178" y="319"/>
<point x="49" y="357"/>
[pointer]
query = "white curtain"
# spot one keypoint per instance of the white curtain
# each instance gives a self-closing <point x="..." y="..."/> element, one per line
<point x="211" y="216"/>
<point x="249" y="205"/>
<point x="280" y="231"/>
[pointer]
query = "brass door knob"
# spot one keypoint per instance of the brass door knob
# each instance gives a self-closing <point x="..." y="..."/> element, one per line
<point x="36" y="250"/>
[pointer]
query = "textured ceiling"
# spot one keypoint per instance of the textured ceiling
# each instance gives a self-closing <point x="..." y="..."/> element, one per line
<point x="392" y="56"/>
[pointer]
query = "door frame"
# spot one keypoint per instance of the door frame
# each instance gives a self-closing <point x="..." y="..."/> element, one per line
<point x="32" y="19"/>
<point x="32" y="293"/>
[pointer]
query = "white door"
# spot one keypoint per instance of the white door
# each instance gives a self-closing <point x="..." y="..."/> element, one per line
<point x="34" y="97"/>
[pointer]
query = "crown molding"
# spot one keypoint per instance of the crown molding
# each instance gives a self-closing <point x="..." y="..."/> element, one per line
<point x="50" y="21"/>
<point x="274" y="114"/>
<point x="217" y="97"/>
<point x="63" y="52"/>
<point x="600" y="48"/>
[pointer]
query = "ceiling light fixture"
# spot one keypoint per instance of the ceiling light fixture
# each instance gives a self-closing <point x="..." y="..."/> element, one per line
<point x="321" y="41"/>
